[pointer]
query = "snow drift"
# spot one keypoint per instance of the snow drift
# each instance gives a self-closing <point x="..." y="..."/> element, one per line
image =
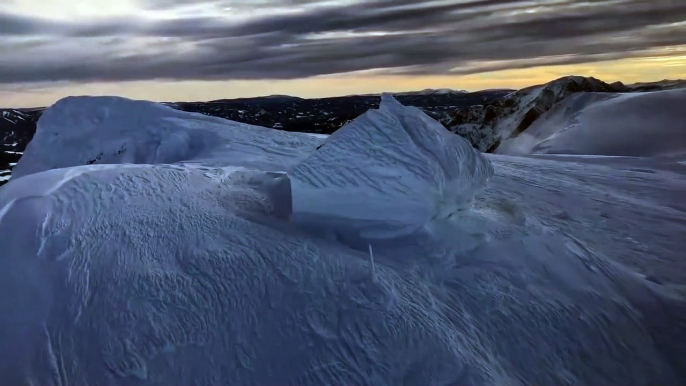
<point x="391" y="158"/>
<point x="642" y="125"/>
<point x="185" y="269"/>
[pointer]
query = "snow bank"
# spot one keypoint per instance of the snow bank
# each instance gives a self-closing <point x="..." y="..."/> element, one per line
<point x="643" y="125"/>
<point x="109" y="130"/>
<point x="387" y="173"/>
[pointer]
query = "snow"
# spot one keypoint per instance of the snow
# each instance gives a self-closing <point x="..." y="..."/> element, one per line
<point x="665" y="84"/>
<point x="641" y="124"/>
<point x="388" y="158"/>
<point x="431" y="91"/>
<point x="4" y="178"/>
<point x="81" y="130"/>
<point x="562" y="270"/>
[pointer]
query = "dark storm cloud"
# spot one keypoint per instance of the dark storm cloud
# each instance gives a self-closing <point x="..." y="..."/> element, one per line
<point x="401" y="36"/>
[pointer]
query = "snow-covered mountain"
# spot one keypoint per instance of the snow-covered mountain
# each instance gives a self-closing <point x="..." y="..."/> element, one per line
<point x="431" y="91"/>
<point x="143" y="245"/>
<point x="634" y="124"/>
<point x="487" y="125"/>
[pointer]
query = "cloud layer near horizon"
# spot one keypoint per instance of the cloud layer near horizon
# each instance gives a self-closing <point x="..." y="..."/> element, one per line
<point x="271" y="39"/>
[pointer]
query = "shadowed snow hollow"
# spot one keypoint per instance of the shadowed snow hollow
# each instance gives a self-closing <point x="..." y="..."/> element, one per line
<point x="190" y="272"/>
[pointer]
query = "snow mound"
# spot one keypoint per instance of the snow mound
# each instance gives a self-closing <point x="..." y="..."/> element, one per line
<point x="387" y="173"/>
<point x="642" y="125"/>
<point x="110" y="130"/>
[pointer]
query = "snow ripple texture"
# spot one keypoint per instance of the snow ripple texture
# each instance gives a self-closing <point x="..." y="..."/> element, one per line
<point x="191" y="273"/>
<point x="389" y="172"/>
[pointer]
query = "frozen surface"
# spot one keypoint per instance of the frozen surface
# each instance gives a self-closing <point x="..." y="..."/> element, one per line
<point x="565" y="271"/>
<point x="640" y="124"/>
<point x="391" y="158"/>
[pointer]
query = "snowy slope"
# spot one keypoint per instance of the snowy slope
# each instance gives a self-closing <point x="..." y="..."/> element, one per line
<point x="645" y="124"/>
<point x="192" y="273"/>
<point x="84" y="130"/>
<point x="486" y="126"/>
<point x="665" y="84"/>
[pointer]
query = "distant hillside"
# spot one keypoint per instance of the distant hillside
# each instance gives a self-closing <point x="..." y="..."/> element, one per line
<point x="487" y="125"/>
<point x="324" y="116"/>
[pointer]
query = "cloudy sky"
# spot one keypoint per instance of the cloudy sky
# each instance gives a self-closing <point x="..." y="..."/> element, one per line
<point x="209" y="49"/>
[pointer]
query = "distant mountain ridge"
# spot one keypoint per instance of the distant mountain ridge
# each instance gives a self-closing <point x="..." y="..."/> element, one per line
<point x="323" y="116"/>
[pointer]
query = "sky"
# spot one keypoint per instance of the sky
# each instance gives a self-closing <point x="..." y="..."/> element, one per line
<point x="175" y="50"/>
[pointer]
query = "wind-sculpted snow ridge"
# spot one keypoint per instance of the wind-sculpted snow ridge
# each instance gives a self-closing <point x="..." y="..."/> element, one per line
<point x="110" y="130"/>
<point x="192" y="273"/>
<point x="637" y="124"/>
<point x="389" y="173"/>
